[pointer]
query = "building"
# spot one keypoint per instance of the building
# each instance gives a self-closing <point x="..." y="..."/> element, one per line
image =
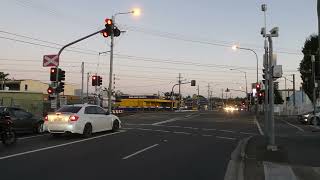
<point x="29" y="85"/>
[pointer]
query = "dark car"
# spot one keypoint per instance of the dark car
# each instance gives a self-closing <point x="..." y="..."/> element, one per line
<point x="305" y="118"/>
<point x="23" y="121"/>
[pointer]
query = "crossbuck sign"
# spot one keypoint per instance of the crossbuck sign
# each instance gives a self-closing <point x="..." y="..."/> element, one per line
<point x="50" y="60"/>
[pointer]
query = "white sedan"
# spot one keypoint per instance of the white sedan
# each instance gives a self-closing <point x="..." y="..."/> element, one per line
<point x="82" y="119"/>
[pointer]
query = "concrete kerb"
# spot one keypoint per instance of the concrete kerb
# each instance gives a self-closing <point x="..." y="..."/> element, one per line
<point x="235" y="169"/>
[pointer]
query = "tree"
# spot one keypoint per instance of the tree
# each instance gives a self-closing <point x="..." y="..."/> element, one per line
<point x="310" y="48"/>
<point x="277" y="96"/>
<point x="3" y="77"/>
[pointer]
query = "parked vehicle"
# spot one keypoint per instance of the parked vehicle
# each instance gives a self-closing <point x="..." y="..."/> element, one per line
<point x="7" y="134"/>
<point x="24" y="121"/>
<point x="82" y="119"/>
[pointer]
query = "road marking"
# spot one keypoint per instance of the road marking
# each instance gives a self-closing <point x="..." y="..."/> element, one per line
<point x="178" y="132"/>
<point x="143" y="129"/>
<point x="221" y="137"/>
<point x="248" y="133"/>
<point x="209" y="129"/>
<point x="206" y="135"/>
<point x="190" y="128"/>
<point x="227" y="131"/>
<point x="166" y="121"/>
<point x="273" y="171"/>
<point x="258" y="125"/>
<point x="140" y="151"/>
<point x="29" y="137"/>
<point x="300" y="129"/>
<point x="56" y="146"/>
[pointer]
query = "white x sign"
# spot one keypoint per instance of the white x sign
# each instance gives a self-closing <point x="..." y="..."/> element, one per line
<point x="50" y="60"/>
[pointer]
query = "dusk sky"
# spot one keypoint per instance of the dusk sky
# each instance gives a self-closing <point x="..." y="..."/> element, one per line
<point x="190" y="37"/>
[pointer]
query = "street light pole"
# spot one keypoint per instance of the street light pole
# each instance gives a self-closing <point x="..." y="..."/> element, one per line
<point x="111" y="60"/>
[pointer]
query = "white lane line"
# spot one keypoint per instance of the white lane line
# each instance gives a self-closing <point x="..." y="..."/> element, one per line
<point x="221" y="137"/>
<point x="209" y="129"/>
<point x="206" y="135"/>
<point x="227" y="131"/>
<point x="140" y="151"/>
<point x="300" y="129"/>
<point x="190" y="128"/>
<point x="248" y="133"/>
<point x="56" y="146"/>
<point x="143" y="129"/>
<point x="29" y="137"/>
<point x="274" y="171"/>
<point x="258" y="125"/>
<point x="178" y="132"/>
<point x="166" y="121"/>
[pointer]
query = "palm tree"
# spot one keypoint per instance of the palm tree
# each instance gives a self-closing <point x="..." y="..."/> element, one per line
<point x="3" y="78"/>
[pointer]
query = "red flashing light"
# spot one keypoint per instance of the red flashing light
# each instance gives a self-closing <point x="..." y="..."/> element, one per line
<point x="50" y="90"/>
<point x="108" y="21"/>
<point x="46" y="118"/>
<point x="105" y="34"/>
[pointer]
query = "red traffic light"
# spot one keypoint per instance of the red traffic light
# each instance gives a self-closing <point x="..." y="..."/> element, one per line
<point x="108" y="21"/>
<point x="53" y="70"/>
<point x="260" y="94"/>
<point x="50" y="90"/>
<point x="105" y="34"/>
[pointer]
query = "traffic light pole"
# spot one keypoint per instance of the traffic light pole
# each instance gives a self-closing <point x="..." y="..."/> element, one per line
<point x="59" y="53"/>
<point x="271" y="144"/>
<point x="111" y="68"/>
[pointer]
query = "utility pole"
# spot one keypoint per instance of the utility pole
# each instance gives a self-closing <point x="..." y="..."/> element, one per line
<point x="111" y="68"/>
<point x="198" y="98"/>
<point x="266" y="101"/>
<point x="88" y="77"/>
<point x="314" y="86"/>
<point x="294" y="90"/>
<point x="179" y="104"/>
<point x="271" y="145"/>
<point x="82" y="76"/>
<point x="318" y="12"/>
<point x="209" y="96"/>
<point x="211" y="99"/>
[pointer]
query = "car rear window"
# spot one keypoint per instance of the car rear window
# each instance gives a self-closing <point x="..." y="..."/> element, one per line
<point x="72" y="109"/>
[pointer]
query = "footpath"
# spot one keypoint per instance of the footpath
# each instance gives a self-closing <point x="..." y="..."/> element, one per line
<point x="297" y="158"/>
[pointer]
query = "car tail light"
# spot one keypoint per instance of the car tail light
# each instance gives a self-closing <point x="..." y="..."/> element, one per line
<point x="46" y="118"/>
<point x="73" y="118"/>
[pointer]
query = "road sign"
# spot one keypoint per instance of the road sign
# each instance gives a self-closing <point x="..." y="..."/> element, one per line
<point x="50" y="60"/>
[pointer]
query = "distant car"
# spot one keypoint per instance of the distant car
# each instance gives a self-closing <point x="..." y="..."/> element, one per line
<point x="305" y="118"/>
<point x="82" y="119"/>
<point x="24" y="121"/>
<point x="314" y="121"/>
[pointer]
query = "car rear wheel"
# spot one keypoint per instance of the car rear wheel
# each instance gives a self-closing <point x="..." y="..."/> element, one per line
<point x="87" y="131"/>
<point x="115" y="126"/>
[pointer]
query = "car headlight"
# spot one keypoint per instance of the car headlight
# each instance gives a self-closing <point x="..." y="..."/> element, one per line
<point x="306" y="115"/>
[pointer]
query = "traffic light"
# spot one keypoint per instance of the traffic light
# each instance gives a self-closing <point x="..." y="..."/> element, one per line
<point x="99" y="81"/>
<point x="61" y="75"/>
<point x="50" y="90"/>
<point x="53" y="74"/>
<point x="116" y="32"/>
<point x="60" y="87"/>
<point x="94" y="80"/>
<point x="260" y="97"/>
<point x="258" y="87"/>
<point x="109" y="28"/>
<point x="193" y="82"/>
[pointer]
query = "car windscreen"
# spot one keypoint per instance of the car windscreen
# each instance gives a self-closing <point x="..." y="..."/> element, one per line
<point x="71" y="109"/>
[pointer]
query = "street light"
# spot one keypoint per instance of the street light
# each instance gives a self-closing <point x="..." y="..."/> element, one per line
<point x="235" y="47"/>
<point x="135" y="12"/>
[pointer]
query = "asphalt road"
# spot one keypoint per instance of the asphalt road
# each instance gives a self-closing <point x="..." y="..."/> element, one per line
<point x="185" y="145"/>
